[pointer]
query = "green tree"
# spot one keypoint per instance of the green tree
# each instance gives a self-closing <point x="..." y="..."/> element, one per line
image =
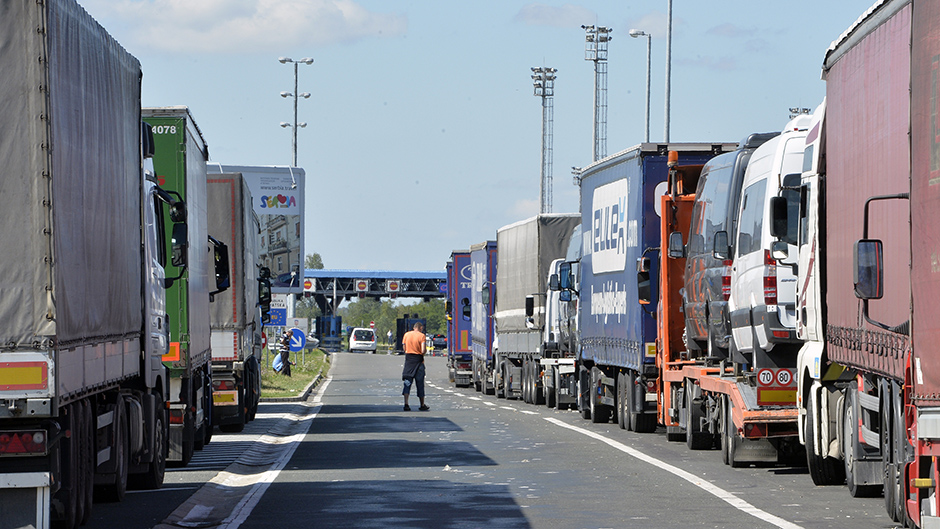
<point x="313" y="261"/>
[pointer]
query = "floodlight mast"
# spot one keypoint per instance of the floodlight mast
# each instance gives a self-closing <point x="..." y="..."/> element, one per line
<point x="295" y="95"/>
<point x="544" y="86"/>
<point x="595" y="49"/>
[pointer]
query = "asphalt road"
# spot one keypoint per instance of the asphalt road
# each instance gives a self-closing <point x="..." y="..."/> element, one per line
<point x="350" y="457"/>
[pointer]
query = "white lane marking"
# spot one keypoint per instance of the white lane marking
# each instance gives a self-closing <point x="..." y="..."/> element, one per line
<point x="718" y="492"/>
<point x="248" y="502"/>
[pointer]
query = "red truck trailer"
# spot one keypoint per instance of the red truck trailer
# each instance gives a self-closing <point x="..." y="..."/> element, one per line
<point x="869" y="374"/>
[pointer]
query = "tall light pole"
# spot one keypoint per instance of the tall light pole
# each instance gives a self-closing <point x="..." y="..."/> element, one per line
<point x="668" y="64"/>
<point x="295" y="95"/>
<point x="595" y="49"/>
<point x="543" y="80"/>
<point x="636" y="33"/>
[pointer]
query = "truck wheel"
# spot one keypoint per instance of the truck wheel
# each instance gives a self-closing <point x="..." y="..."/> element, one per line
<point x="538" y="390"/>
<point x="642" y="422"/>
<point x="849" y="442"/>
<point x="731" y="440"/>
<point x="115" y="492"/>
<point x="600" y="414"/>
<point x="551" y="393"/>
<point x="583" y="395"/>
<point x="74" y="497"/>
<point x="208" y="416"/>
<point x="621" y="402"/>
<point x="559" y="405"/>
<point x="89" y="456"/>
<point x="695" y="438"/>
<point x="156" y="469"/>
<point x="823" y="470"/>
<point x="628" y="416"/>
<point x="526" y="382"/>
<point x="901" y="455"/>
<point x="888" y="461"/>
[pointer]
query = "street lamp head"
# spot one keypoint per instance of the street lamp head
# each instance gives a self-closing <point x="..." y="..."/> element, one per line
<point x="285" y="124"/>
<point x="284" y="60"/>
<point x="302" y="124"/>
<point x="286" y="94"/>
<point x="304" y="95"/>
<point x="635" y="33"/>
<point x="306" y="60"/>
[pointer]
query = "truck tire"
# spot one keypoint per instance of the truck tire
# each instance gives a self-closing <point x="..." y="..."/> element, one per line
<point x="551" y="392"/>
<point x="730" y="439"/>
<point x="559" y="405"/>
<point x="723" y="430"/>
<point x="72" y="495"/>
<point x="888" y="461"/>
<point x="823" y="470"/>
<point x="499" y="382"/>
<point x="583" y="396"/>
<point x="538" y="389"/>
<point x="156" y="469"/>
<point x="523" y="392"/>
<point x="695" y="438"/>
<point x="116" y="491"/>
<point x="642" y="422"/>
<point x="622" y="415"/>
<point x="600" y="414"/>
<point x="849" y="442"/>
<point x="89" y="456"/>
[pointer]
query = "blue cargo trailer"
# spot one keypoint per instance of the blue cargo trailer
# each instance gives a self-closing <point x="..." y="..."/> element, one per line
<point x="621" y="235"/>
<point x="459" y="352"/>
<point x="481" y="312"/>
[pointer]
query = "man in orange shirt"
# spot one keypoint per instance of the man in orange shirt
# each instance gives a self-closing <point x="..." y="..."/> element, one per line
<point x="413" y="372"/>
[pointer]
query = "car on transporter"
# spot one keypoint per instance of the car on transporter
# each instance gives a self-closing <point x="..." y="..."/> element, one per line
<point x="362" y="339"/>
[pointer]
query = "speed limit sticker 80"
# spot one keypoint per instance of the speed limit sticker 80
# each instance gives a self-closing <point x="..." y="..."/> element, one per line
<point x="775" y="377"/>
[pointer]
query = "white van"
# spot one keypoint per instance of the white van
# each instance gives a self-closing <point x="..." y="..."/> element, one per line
<point x="762" y="304"/>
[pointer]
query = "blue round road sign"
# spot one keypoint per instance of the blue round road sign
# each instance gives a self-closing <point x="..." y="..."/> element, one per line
<point x="297" y="340"/>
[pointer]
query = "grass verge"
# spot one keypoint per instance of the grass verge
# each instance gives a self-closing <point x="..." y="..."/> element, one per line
<point x="306" y="368"/>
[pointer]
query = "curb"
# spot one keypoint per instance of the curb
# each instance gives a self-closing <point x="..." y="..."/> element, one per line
<point x="303" y="395"/>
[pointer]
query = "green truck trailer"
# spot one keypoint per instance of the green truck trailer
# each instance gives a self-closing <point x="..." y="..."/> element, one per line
<point x="180" y="166"/>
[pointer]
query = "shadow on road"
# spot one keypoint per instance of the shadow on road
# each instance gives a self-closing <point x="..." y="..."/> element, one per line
<point x="381" y="424"/>
<point x="387" y="453"/>
<point x="413" y="504"/>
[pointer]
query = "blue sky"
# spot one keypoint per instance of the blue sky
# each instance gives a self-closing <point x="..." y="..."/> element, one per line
<point x="423" y="132"/>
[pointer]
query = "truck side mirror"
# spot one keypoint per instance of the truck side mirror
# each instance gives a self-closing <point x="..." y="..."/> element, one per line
<point x="264" y="273"/>
<point x="676" y="245"/>
<point x="721" y="249"/>
<point x="223" y="279"/>
<point x="869" y="271"/>
<point x="147" y="149"/>
<point x="564" y="296"/>
<point x="179" y="243"/>
<point x="779" y="250"/>
<point x="778" y="217"/>
<point x="485" y="294"/>
<point x="644" y="287"/>
<point x="553" y="283"/>
<point x="565" y="278"/>
<point x="448" y="307"/>
<point x="529" y="306"/>
<point x="466" y="311"/>
<point x="643" y="265"/>
<point x="264" y="299"/>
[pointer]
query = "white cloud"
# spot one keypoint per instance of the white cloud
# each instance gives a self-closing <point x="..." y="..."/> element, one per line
<point x="565" y="16"/>
<point x="238" y="26"/>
